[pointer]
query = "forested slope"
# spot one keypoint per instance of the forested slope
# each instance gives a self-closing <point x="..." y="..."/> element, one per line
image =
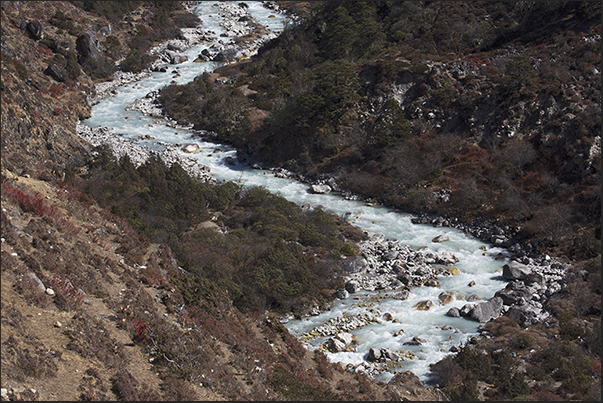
<point x="161" y="284"/>
<point x="493" y="105"/>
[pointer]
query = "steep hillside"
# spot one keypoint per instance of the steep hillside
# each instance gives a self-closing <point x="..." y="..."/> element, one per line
<point x="96" y="305"/>
<point x="125" y="283"/>
<point x="52" y="54"/>
<point x="90" y="311"/>
<point x="463" y="109"/>
<point x="481" y="114"/>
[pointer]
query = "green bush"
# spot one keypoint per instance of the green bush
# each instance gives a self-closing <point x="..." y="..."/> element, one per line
<point x="523" y="341"/>
<point x="348" y="250"/>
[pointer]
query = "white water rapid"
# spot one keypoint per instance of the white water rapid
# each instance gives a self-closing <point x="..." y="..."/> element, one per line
<point x="476" y="264"/>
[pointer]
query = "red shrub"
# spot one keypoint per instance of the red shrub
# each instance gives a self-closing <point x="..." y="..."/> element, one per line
<point x="142" y="331"/>
<point x="55" y="90"/>
<point x="67" y="286"/>
<point x="34" y="203"/>
<point x="68" y="226"/>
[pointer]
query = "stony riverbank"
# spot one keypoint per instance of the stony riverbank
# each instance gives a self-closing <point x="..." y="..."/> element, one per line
<point x="384" y="264"/>
<point x="237" y="22"/>
<point x="390" y="269"/>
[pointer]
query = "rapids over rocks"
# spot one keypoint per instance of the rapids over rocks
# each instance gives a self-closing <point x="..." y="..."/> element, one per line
<point x="418" y="291"/>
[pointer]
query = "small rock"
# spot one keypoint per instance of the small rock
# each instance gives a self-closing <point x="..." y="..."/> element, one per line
<point x="423" y="305"/>
<point x="58" y="324"/>
<point x="50" y="291"/>
<point x="441" y="238"/>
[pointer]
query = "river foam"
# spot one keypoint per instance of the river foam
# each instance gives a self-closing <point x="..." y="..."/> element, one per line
<point x="478" y="263"/>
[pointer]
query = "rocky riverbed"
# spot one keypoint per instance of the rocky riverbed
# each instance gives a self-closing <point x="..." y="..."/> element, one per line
<point x="384" y="264"/>
<point x="237" y="22"/>
<point x="393" y="270"/>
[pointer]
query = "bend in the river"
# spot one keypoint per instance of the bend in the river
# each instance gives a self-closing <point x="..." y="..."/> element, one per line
<point x="417" y="337"/>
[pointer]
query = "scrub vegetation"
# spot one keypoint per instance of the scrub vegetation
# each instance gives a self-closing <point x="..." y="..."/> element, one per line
<point x="256" y="245"/>
<point x="164" y="288"/>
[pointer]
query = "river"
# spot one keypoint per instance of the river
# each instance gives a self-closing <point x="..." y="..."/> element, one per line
<point x="477" y="262"/>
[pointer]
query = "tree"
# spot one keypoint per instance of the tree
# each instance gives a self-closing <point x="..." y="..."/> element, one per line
<point x="392" y="125"/>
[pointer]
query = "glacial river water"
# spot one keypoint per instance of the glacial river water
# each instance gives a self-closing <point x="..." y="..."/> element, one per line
<point x="477" y="261"/>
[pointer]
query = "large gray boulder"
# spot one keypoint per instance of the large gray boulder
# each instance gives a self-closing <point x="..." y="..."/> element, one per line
<point x="176" y="58"/>
<point x="353" y="286"/>
<point x="57" y="72"/>
<point x="454" y="312"/>
<point x="86" y="47"/>
<point x="447" y="258"/>
<point x="441" y="238"/>
<point x="340" y="342"/>
<point x="35" y="30"/>
<point x="320" y="189"/>
<point x="355" y="264"/>
<point x="382" y="355"/>
<point x="342" y="294"/>
<point x="487" y="310"/>
<point x="227" y="55"/>
<point x="514" y="294"/>
<point x="516" y="271"/>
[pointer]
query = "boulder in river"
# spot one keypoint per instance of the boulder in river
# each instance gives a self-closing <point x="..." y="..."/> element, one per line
<point x="446" y="297"/>
<point x="454" y="312"/>
<point x="441" y="238"/>
<point x="416" y="341"/>
<point x="340" y="342"/>
<point x="190" y="148"/>
<point x="320" y="189"/>
<point x="423" y="305"/>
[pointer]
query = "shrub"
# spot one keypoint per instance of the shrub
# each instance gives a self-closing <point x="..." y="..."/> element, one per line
<point x="392" y="125"/>
<point x="348" y="250"/>
<point x="516" y="386"/>
<point x="23" y="362"/>
<point x="60" y="20"/>
<point x="34" y="203"/>
<point x="523" y="341"/>
<point x="296" y="386"/>
<point x="124" y="386"/>
<point x="470" y="358"/>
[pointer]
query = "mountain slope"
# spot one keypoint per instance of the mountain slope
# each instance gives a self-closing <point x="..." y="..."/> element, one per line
<point x="96" y="306"/>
